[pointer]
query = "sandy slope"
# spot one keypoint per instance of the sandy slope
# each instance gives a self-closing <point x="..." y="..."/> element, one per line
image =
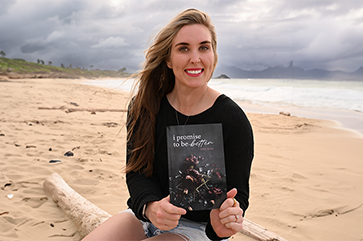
<point x="306" y="181"/>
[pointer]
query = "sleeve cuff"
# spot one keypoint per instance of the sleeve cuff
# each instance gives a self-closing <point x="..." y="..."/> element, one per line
<point x="140" y="209"/>
<point x="211" y="234"/>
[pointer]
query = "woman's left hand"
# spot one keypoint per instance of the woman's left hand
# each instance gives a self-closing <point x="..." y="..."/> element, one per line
<point x="227" y="220"/>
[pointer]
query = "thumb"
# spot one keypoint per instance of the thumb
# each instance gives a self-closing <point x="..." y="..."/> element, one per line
<point x="232" y="193"/>
<point x="176" y="210"/>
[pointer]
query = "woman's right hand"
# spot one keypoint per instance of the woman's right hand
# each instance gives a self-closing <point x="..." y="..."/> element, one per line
<point x="163" y="214"/>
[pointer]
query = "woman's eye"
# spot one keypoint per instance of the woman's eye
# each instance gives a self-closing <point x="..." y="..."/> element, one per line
<point x="204" y="48"/>
<point x="183" y="49"/>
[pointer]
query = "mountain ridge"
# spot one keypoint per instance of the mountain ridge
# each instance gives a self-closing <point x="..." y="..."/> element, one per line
<point x="290" y="72"/>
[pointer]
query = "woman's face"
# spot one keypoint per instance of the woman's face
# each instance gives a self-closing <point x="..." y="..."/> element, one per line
<point x="192" y="56"/>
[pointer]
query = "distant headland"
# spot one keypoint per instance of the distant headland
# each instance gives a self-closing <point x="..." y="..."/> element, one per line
<point x="222" y="76"/>
<point x="290" y="72"/>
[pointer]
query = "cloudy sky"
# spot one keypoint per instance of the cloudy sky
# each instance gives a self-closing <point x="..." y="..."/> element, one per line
<point x="252" y="34"/>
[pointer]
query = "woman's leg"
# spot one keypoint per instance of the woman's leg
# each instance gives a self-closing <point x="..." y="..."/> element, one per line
<point x="122" y="226"/>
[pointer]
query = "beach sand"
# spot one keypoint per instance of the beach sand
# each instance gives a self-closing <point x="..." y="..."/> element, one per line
<point x="306" y="179"/>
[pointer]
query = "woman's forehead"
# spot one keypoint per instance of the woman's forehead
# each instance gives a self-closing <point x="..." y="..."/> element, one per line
<point x="193" y="34"/>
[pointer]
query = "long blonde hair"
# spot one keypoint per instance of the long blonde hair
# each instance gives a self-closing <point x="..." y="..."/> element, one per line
<point x="154" y="81"/>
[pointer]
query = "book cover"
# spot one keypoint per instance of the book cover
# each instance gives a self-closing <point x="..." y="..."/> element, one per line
<point x="197" y="177"/>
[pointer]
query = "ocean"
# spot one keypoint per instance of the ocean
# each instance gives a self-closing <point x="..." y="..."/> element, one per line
<point x="337" y="100"/>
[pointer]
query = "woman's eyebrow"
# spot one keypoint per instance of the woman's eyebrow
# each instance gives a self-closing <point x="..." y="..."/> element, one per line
<point x="186" y="44"/>
<point x="181" y="43"/>
<point x="206" y="42"/>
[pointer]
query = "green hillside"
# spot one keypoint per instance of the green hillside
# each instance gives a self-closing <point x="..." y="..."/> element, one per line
<point x="19" y="68"/>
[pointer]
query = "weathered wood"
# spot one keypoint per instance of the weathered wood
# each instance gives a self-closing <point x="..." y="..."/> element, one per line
<point x="68" y="110"/>
<point x="84" y="214"/>
<point x="258" y="232"/>
<point x="88" y="216"/>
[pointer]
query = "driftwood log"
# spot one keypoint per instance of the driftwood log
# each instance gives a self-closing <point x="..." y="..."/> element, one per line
<point x="258" y="232"/>
<point x="83" y="213"/>
<point x="88" y="216"/>
<point x="69" y="110"/>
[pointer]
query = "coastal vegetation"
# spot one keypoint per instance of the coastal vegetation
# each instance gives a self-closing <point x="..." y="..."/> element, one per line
<point x="20" y="68"/>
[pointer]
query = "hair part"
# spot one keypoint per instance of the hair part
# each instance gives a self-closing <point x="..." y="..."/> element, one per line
<point x="154" y="81"/>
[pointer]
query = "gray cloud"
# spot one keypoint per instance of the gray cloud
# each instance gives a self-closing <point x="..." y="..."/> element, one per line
<point x="251" y="34"/>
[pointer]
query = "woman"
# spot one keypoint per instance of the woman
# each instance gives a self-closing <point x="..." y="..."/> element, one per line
<point x="173" y="90"/>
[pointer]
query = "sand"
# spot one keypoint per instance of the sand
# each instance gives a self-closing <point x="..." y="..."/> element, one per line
<point x="306" y="181"/>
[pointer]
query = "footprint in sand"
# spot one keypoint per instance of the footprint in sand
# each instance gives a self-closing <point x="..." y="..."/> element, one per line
<point x="34" y="202"/>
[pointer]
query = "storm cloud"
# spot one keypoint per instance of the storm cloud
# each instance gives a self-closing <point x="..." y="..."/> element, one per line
<point x="252" y="35"/>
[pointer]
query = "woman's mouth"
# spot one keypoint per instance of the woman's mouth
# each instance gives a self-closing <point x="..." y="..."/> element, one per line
<point x="194" y="72"/>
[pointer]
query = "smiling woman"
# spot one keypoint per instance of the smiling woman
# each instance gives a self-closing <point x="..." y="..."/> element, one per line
<point x="172" y="90"/>
<point x="192" y="58"/>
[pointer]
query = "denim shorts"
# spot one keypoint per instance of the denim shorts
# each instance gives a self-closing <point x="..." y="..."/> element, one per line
<point x="187" y="229"/>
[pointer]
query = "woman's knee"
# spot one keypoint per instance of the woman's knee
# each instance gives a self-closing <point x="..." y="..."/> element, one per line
<point x="122" y="226"/>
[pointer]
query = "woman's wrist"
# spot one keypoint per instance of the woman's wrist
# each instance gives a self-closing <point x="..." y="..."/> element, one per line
<point x="144" y="211"/>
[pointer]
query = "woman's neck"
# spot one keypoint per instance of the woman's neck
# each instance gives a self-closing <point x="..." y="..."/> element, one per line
<point x="189" y="102"/>
<point x="192" y="102"/>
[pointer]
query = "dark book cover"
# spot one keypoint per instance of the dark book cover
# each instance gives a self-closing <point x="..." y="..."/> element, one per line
<point x="197" y="177"/>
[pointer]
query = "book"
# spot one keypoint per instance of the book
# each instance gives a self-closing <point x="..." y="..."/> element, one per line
<point x="197" y="177"/>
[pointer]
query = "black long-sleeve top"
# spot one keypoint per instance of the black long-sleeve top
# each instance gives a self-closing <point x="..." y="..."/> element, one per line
<point x="238" y="148"/>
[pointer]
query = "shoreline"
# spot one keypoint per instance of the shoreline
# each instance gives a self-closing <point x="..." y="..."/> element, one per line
<point x="344" y="119"/>
<point x="305" y="179"/>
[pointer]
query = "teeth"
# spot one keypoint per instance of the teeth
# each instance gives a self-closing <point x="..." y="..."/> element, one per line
<point x="194" y="71"/>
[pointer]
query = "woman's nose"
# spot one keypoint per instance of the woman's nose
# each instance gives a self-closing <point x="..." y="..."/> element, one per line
<point x="195" y="58"/>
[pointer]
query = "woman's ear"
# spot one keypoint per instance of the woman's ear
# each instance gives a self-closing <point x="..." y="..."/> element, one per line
<point x="168" y="63"/>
